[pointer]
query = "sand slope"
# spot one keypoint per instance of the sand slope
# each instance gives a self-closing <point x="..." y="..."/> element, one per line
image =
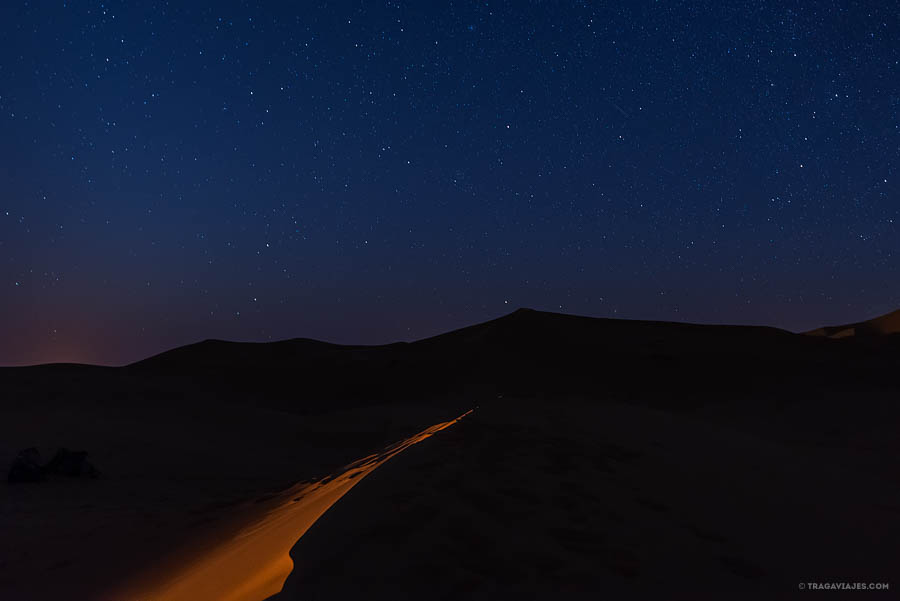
<point x="252" y="563"/>
<point x="176" y="480"/>
<point x="530" y="500"/>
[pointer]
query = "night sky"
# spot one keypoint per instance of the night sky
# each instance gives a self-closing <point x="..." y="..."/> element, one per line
<point x="365" y="172"/>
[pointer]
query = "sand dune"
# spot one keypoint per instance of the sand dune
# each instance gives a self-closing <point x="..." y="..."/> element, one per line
<point x="176" y="479"/>
<point x="253" y="563"/>
<point x="642" y="458"/>
<point x="579" y="501"/>
<point x="878" y="326"/>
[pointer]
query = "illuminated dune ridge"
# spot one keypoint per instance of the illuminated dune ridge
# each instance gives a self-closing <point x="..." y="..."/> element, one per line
<point x="254" y="564"/>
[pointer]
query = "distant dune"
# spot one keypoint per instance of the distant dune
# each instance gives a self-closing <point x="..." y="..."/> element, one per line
<point x="526" y="353"/>
<point x="879" y="326"/>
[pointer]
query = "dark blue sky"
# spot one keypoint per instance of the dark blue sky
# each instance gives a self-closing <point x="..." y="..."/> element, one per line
<point x="368" y="172"/>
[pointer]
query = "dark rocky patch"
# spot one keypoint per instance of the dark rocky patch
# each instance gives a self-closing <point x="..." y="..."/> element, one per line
<point x="26" y="467"/>
<point x="71" y="463"/>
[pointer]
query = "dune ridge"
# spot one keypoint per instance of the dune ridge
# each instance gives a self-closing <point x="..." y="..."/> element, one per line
<point x="254" y="564"/>
<point x="878" y="326"/>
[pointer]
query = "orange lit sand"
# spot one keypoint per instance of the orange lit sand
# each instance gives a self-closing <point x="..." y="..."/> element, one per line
<point x="254" y="563"/>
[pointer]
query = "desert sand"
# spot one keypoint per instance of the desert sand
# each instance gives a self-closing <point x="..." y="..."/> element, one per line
<point x="175" y="482"/>
<point x="633" y="459"/>
<point x="535" y="500"/>
<point x="252" y="563"/>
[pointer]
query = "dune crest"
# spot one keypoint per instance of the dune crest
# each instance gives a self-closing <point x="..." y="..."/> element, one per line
<point x="254" y="564"/>
<point x="878" y="326"/>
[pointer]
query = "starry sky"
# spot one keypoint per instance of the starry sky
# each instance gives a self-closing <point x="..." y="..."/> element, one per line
<point x="365" y="172"/>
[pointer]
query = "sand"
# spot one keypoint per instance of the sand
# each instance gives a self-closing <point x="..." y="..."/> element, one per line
<point x="531" y="500"/>
<point x="252" y="563"/>
<point x="632" y="459"/>
<point x="176" y="479"/>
